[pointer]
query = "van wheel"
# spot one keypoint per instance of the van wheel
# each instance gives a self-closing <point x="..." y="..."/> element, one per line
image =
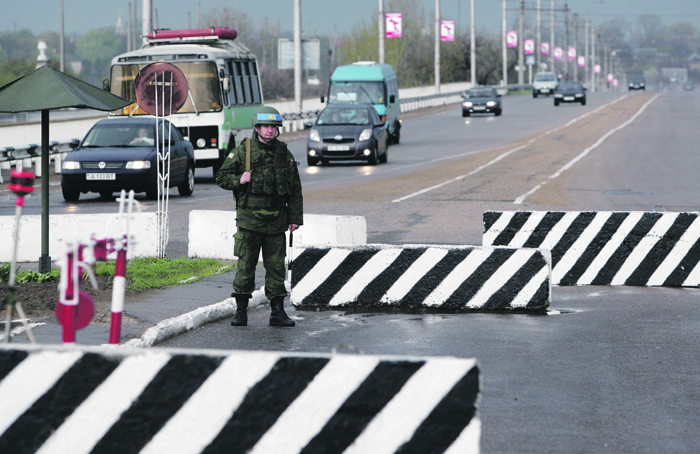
<point x="534" y="94"/>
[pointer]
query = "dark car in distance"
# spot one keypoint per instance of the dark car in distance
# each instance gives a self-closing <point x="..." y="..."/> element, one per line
<point x="569" y="91"/>
<point x="347" y="132"/>
<point x="120" y="153"/>
<point x="636" y="83"/>
<point x="481" y="100"/>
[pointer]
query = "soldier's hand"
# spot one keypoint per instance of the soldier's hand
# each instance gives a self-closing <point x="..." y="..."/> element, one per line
<point x="293" y="227"/>
<point x="245" y="178"/>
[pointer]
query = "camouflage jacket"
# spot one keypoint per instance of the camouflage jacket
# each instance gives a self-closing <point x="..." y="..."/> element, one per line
<point x="272" y="199"/>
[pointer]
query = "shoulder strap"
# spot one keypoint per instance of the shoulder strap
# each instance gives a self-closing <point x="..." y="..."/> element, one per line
<point x="247" y="155"/>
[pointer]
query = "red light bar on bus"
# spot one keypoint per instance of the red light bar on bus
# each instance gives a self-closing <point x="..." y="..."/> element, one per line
<point x="219" y="32"/>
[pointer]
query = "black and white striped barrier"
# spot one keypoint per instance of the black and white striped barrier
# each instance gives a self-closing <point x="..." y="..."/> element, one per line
<point x="605" y="247"/>
<point x="440" y="278"/>
<point x="76" y="401"/>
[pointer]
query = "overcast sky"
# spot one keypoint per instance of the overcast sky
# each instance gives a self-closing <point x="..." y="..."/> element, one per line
<point x="320" y="16"/>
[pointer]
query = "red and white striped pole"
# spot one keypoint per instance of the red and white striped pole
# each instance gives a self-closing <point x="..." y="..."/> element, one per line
<point x="69" y="299"/>
<point x="118" y="291"/>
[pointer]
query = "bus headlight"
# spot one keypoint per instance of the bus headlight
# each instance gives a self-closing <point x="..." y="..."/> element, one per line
<point x="201" y="143"/>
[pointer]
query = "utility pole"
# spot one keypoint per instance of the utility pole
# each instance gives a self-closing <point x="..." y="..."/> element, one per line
<point x="538" y="45"/>
<point x="63" y="56"/>
<point x="146" y="25"/>
<point x="587" y="55"/>
<point x="576" y="46"/>
<point x="566" y="40"/>
<point x="505" y="47"/>
<point x="198" y="14"/>
<point x="521" y="55"/>
<point x="593" y="81"/>
<point x="437" y="46"/>
<point x="551" y="40"/>
<point x="473" y="47"/>
<point x="297" y="56"/>
<point x="382" y="31"/>
<point x="128" y="30"/>
<point x="135" y="26"/>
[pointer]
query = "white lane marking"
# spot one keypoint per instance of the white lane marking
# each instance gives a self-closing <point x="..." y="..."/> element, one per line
<point x="507" y="153"/>
<point x="585" y="152"/>
<point x="20" y="329"/>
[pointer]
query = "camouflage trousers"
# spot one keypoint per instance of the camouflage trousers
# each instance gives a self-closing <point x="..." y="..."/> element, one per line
<point x="247" y="246"/>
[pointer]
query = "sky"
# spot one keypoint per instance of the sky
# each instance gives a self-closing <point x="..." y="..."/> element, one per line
<point x="321" y="17"/>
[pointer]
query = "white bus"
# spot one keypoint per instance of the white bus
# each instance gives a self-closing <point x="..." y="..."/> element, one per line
<point x="223" y="80"/>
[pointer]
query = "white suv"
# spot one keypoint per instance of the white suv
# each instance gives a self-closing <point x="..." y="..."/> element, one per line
<point x="544" y="84"/>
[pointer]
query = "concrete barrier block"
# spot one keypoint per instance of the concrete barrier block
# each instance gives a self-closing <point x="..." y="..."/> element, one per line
<point x="71" y="228"/>
<point x="211" y="232"/>
<point x="421" y="277"/>
<point x="115" y="399"/>
<point x="605" y="247"/>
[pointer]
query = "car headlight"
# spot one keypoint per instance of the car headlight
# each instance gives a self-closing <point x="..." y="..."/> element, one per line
<point x="313" y="136"/>
<point x="467" y="104"/>
<point x="641" y="84"/>
<point x="70" y="165"/>
<point x="137" y="165"/>
<point x="491" y="103"/>
<point x="366" y="134"/>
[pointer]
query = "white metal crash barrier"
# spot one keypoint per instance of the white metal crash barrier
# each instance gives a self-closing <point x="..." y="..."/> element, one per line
<point x="83" y="400"/>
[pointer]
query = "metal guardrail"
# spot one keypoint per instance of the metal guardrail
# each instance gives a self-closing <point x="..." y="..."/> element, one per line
<point x="31" y="155"/>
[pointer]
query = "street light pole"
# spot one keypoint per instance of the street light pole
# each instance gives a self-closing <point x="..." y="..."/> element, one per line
<point x="505" y="47"/>
<point x="538" y="46"/>
<point x="473" y="47"/>
<point x="437" y="46"/>
<point x="521" y="56"/>
<point x="382" y="32"/>
<point x="551" y="41"/>
<point x="297" y="56"/>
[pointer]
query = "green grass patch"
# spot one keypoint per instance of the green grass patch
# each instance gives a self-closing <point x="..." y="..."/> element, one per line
<point x="142" y="273"/>
<point x="145" y="273"/>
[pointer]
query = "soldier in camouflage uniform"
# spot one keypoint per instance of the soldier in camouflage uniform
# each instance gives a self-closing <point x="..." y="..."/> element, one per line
<point x="269" y="201"/>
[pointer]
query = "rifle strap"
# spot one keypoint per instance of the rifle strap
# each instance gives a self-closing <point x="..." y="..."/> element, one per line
<point x="247" y="155"/>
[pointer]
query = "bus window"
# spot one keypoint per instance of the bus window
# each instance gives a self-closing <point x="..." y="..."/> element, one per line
<point x="246" y="84"/>
<point x="254" y="82"/>
<point x="239" y="83"/>
<point x="233" y="93"/>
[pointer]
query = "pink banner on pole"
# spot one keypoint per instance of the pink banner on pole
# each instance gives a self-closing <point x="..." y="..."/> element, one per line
<point x="393" y="25"/>
<point x="581" y="61"/>
<point x="529" y="46"/>
<point x="544" y="49"/>
<point x="615" y="83"/>
<point x="447" y="30"/>
<point x="558" y="53"/>
<point x="596" y="69"/>
<point x="572" y="53"/>
<point x="512" y="39"/>
<point x="610" y="77"/>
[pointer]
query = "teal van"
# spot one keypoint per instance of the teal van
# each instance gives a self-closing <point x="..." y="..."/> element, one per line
<point x="367" y="82"/>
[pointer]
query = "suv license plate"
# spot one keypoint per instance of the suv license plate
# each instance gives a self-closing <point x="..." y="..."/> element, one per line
<point x="338" y="147"/>
<point x="544" y="90"/>
<point x="101" y="176"/>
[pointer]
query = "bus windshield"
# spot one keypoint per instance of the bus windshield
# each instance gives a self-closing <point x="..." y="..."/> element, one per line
<point x="356" y="93"/>
<point x="201" y="79"/>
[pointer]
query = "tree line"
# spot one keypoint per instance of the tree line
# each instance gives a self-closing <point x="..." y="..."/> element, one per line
<point x="642" y="47"/>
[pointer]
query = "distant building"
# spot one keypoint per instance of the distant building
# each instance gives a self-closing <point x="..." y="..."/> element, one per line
<point x="694" y="62"/>
<point x="675" y="75"/>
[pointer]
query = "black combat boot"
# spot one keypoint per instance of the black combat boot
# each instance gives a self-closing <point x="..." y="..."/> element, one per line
<point x="241" y="318"/>
<point x="277" y="315"/>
